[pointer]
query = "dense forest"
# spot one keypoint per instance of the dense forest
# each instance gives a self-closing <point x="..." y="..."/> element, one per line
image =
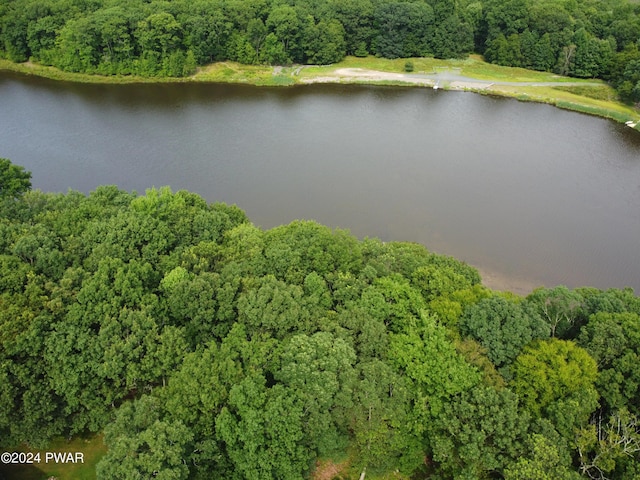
<point x="205" y="347"/>
<point x="582" y="38"/>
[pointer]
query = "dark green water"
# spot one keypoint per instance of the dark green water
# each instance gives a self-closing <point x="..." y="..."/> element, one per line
<point x="530" y="193"/>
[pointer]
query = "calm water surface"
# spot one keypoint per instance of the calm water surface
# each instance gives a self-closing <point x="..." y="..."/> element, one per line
<point x="527" y="192"/>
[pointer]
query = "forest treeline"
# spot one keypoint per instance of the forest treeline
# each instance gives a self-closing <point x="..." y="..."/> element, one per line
<point x="582" y="38"/>
<point x="205" y="347"/>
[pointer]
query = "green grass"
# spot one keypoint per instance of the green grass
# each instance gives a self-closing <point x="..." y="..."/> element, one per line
<point x="600" y="92"/>
<point x="55" y="74"/>
<point x="593" y="110"/>
<point x="474" y="67"/>
<point x="566" y="99"/>
<point x="232" y="72"/>
<point x="93" y="449"/>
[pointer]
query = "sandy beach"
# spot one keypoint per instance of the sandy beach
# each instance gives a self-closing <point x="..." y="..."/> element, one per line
<point x="450" y="79"/>
<point x="499" y="281"/>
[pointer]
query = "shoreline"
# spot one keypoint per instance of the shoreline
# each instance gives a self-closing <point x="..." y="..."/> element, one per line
<point x="541" y="91"/>
<point x="497" y="281"/>
<point x="353" y="72"/>
<point x="470" y="75"/>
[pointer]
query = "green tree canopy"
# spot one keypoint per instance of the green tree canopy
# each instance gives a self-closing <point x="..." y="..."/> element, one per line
<point x="14" y="179"/>
<point x="613" y="339"/>
<point x="479" y="431"/>
<point x="549" y="371"/>
<point x="502" y="327"/>
<point x="141" y="444"/>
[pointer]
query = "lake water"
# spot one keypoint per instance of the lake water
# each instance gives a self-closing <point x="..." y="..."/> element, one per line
<point x="528" y="193"/>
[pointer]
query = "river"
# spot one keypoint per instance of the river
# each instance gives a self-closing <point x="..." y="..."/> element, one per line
<point x="530" y="194"/>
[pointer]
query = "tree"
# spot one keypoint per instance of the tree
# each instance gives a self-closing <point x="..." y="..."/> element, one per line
<point x="30" y="411"/>
<point x="41" y="249"/>
<point x="630" y="81"/>
<point x="159" y="32"/>
<point x="107" y="344"/>
<point x="427" y="357"/>
<point x="324" y="43"/>
<point x="497" y="50"/>
<point x="380" y="419"/>
<point x="565" y="59"/>
<point x="403" y="28"/>
<point x="356" y="19"/>
<point x="207" y="29"/>
<point x="142" y="444"/>
<point x="549" y="17"/>
<point x="115" y="40"/>
<point x="191" y="304"/>
<point x="434" y="373"/>
<point x="613" y="339"/>
<point x="293" y="251"/>
<point x="439" y="280"/>
<point x="505" y="18"/>
<point x="77" y="46"/>
<point x="479" y="431"/>
<point x="262" y="429"/>
<point x="284" y="32"/>
<point x="402" y="303"/>
<point x="211" y="372"/>
<point x="275" y="307"/>
<point x="609" y="448"/>
<point x="14" y="180"/>
<point x="41" y="36"/>
<point x="476" y="355"/>
<point x="548" y="371"/>
<point x="542" y="463"/>
<point x="318" y="370"/>
<point x="452" y="38"/>
<point x="256" y="33"/>
<point x="159" y="37"/>
<point x="559" y="307"/>
<point x="608" y="301"/>
<point x="543" y="57"/>
<point x="128" y="235"/>
<point x="502" y="327"/>
<point x="14" y="41"/>
<point x="592" y="56"/>
<point x="365" y="320"/>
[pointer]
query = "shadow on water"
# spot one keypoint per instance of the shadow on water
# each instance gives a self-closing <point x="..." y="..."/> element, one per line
<point x="628" y="135"/>
<point x="169" y="95"/>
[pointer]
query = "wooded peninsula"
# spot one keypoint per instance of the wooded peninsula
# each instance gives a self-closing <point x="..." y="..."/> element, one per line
<point x="202" y="347"/>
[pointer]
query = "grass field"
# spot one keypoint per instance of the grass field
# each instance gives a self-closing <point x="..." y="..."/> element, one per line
<point x="564" y="97"/>
<point x="473" y="67"/>
<point x="92" y="449"/>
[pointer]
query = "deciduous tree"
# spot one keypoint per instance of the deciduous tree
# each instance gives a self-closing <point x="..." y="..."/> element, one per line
<point x="14" y="180"/>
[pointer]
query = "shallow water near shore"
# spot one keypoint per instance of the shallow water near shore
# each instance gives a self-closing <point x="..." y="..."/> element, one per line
<point x="530" y="194"/>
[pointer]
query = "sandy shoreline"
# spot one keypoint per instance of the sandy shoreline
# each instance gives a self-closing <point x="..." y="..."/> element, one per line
<point x="449" y="80"/>
<point x="506" y="283"/>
